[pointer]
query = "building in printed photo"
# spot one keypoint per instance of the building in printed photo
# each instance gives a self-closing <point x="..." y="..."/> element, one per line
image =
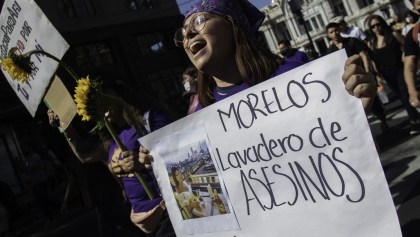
<point x="204" y="176"/>
<point x="204" y="172"/>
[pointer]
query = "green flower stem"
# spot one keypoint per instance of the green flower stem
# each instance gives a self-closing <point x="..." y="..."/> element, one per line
<point x="68" y="69"/>
<point x="144" y="184"/>
<point x="123" y="148"/>
<point x="114" y="135"/>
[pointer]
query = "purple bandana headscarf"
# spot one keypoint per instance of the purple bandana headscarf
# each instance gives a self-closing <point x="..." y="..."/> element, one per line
<point x="246" y="15"/>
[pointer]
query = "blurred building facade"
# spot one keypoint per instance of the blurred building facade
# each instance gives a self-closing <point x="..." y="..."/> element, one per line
<point x="281" y="23"/>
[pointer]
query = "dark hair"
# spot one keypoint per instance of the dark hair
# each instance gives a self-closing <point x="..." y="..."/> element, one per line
<point x="332" y="25"/>
<point x="173" y="171"/>
<point x="285" y="42"/>
<point x="133" y="116"/>
<point x="387" y="31"/>
<point x="412" y="14"/>
<point x="131" y="110"/>
<point x="260" y="68"/>
<point x="190" y="71"/>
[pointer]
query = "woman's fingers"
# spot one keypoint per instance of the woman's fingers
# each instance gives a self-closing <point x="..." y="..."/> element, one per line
<point x="358" y="82"/>
<point x="128" y="160"/>
<point x="53" y="118"/>
<point x="415" y="100"/>
<point x="145" y="158"/>
<point x="143" y="150"/>
<point x="355" y="59"/>
<point x="360" y="85"/>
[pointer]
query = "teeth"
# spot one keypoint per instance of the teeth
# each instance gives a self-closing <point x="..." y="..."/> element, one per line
<point x="194" y="44"/>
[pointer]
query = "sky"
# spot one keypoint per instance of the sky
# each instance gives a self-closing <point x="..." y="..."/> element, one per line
<point x="184" y="5"/>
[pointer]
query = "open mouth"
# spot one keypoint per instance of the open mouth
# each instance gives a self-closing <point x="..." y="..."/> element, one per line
<point x="196" y="46"/>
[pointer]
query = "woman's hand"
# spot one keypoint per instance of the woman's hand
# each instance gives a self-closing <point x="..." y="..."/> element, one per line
<point x="53" y="118"/>
<point x="415" y="99"/>
<point x="358" y="82"/>
<point x="129" y="162"/>
<point x="380" y="81"/>
<point x="145" y="158"/>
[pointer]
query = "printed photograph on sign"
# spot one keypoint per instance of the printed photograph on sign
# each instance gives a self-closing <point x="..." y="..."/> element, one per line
<point x="195" y="182"/>
<point x="192" y="184"/>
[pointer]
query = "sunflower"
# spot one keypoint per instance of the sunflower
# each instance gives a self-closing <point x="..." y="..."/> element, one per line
<point x="19" y="67"/>
<point x="84" y="97"/>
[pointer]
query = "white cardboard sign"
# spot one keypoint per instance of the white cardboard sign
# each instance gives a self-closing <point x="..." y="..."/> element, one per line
<point x="295" y="155"/>
<point x="24" y="25"/>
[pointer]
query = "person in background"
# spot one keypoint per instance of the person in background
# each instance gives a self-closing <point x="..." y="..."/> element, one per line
<point x="354" y="46"/>
<point x="410" y="20"/>
<point x="349" y="31"/>
<point x="290" y="53"/>
<point x="396" y="27"/>
<point x="189" y="81"/>
<point x="387" y="55"/>
<point x="108" y="199"/>
<point x="411" y="54"/>
<point x="149" y="215"/>
<point x="397" y="24"/>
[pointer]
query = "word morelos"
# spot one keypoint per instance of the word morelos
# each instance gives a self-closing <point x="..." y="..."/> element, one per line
<point x="268" y="102"/>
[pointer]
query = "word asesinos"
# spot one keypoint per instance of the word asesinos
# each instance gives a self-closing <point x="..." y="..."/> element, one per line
<point x="325" y="174"/>
<point x="268" y="102"/>
<point x="301" y="182"/>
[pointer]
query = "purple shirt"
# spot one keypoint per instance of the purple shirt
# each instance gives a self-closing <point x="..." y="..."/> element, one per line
<point x="298" y="56"/>
<point x="220" y="93"/>
<point x="287" y="66"/>
<point x="136" y="194"/>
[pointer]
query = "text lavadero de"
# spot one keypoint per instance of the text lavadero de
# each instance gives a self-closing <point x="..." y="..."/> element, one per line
<point x="311" y="185"/>
<point x="13" y="12"/>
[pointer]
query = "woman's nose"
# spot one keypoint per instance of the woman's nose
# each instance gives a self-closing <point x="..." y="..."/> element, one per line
<point x="189" y="33"/>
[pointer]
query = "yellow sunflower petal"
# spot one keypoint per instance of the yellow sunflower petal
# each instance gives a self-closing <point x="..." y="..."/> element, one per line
<point x="81" y="97"/>
<point x="15" y="72"/>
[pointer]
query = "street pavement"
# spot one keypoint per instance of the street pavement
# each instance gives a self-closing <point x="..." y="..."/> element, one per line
<point x="399" y="153"/>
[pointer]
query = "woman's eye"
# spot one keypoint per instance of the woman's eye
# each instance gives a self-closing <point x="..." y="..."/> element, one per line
<point x="199" y="20"/>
